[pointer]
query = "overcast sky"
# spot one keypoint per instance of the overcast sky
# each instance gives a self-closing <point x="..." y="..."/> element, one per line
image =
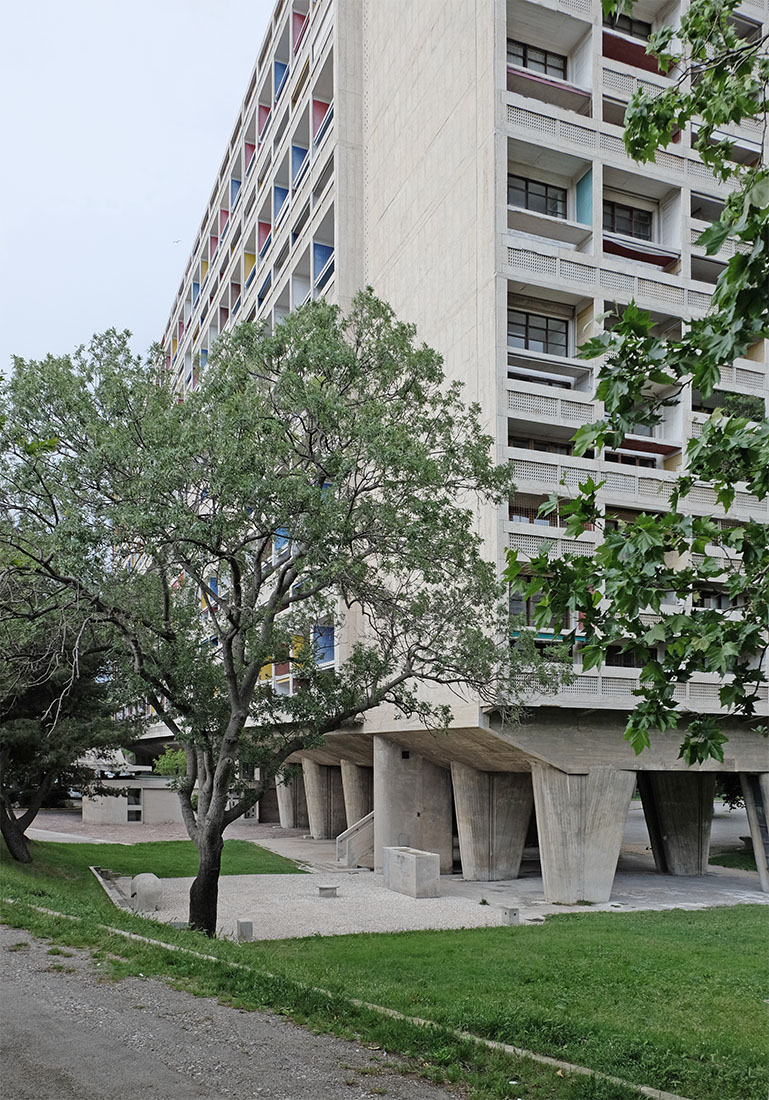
<point x="115" y="118"/>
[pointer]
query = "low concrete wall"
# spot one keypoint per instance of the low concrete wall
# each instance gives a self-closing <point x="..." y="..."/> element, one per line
<point x="357" y="843"/>
<point x="410" y="871"/>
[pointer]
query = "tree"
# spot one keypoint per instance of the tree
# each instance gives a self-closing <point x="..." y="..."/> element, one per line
<point x="316" y="489"/>
<point x="722" y="78"/>
<point x="57" y="699"/>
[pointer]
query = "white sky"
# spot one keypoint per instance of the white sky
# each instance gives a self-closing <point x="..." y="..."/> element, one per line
<point x="115" y="117"/>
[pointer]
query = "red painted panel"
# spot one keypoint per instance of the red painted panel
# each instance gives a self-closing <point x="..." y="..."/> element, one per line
<point x="299" y="23"/>
<point x="223" y="217"/>
<point x="213" y="243"/>
<point x="264" y="114"/>
<point x="250" y="150"/>
<point x="264" y="232"/>
<point x="319" y="109"/>
<point x="629" y="52"/>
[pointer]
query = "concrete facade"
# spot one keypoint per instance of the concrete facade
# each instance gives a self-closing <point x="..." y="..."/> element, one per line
<point x="465" y="158"/>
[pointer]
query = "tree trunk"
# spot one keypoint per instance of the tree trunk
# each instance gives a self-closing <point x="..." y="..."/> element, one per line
<point x="13" y="836"/>
<point x="204" y="892"/>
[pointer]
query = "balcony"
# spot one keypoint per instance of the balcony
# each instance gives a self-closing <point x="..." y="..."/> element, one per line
<point x="545" y="225"/>
<point x="548" y="370"/>
<point x="549" y="89"/>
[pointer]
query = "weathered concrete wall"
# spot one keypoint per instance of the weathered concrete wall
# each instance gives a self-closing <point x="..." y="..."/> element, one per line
<point x="493" y="811"/>
<point x="580" y="819"/>
<point x="413" y="804"/>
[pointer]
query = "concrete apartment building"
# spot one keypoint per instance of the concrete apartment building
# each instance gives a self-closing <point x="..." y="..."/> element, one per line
<point x="465" y="158"/>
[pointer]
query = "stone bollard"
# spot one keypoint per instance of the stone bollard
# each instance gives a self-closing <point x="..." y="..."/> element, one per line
<point x="244" y="931"/>
<point x="510" y="916"/>
<point x="146" y="893"/>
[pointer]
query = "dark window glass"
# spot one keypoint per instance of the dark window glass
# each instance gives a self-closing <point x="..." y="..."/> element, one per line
<point x="539" y="61"/>
<point x="636" y="28"/>
<point x="629" y="459"/>
<point x="628" y="220"/>
<point x="535" y="332"/>
<point x="618" y="658"/>
<point x="543" y="198"/>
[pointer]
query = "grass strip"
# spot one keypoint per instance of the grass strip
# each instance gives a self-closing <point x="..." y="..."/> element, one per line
<point x="305" y="994"/>
<point x="674" y="998"/>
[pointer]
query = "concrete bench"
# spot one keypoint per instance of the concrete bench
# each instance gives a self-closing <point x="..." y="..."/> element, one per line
<point x="409" y="871"/>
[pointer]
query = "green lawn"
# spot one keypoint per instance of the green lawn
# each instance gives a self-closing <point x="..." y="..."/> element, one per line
<point x="739" y="858"/>
<point x="164" y="858"/>
<point x="673" y="1000"/>
<point x="55" y="865"/>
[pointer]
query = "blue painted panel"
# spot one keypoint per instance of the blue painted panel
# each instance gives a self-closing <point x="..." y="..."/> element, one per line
<point x="298" y="155"/>
<point x="321" y="254"/>
<point x="585" y="198"/>
<point x="280" y="75"/>
<point x="280" y="196"/>
<point x="323" y="642"/>
<point x="234" y="188"/>
<point x="195" y="292"/>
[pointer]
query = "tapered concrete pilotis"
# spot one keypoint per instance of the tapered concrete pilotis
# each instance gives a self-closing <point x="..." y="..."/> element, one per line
<point x="581" y="819"/>
<point x="325" y="800"/>
<point x="678" y="807"/>
<point x="357" y="784"/>
<point x="286" y="800"/>
<point x="413" y="803"/>
<point x="755" y="790"/>
<point x="493" y="811"/>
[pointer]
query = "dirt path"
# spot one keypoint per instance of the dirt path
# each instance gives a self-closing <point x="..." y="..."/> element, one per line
<point x="67" y="1033"/>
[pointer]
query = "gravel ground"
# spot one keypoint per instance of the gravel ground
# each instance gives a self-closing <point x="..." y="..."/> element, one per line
<point x="69" y="1034"/>
<point x="289" y="905"/>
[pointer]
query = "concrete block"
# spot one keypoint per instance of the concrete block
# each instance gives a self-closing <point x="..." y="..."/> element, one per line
<point x="327" y="891"/>
<point x="146" y="893"/>
<point x="244" y="931"/>
<point x="510" y="915"/>
<point x="410" y="871"/>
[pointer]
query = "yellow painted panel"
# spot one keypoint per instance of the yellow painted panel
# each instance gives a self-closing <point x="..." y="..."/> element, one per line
<point x="249" y="261"/>
<point x="265" y="673"/>
<point x="203" y="269"/>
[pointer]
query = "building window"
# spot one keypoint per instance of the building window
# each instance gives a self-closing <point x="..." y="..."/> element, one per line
<point x="616" y="657"/>
<point x="630" y="459"/>
<point x="524" y="610"/>
<point x="551" y="446"/>
<point x="134" y="799"/>
<point x="538" y="61"/>
<point x="628" y="220"/>
<point x="636" y="28"/>
<point x="536" y="332"/>
<point x="542" y="198"/>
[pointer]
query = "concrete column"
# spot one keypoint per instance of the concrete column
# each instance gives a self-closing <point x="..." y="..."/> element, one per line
<point x="678" y="807"/>
<point x="412" y="801"/>
<point x="581" y="819"/>
<point x="325" y="800"/>
<point x="286" y="803"/>
<point x="755" y="790"/>
<point x="493" y="811"/>
<point x="357" y="784"/>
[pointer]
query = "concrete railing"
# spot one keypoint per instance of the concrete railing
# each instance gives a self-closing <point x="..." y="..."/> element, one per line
<point x="356" y="844"/>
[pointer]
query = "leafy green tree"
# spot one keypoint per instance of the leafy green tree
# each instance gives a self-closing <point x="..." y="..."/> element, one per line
<point x="58" y="699"/>
<point x="321" y="479"/>
<point x="672" y="558"/>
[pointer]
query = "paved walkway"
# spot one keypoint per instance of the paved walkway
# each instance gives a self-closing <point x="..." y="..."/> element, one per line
<point x="69" y="1034"/>
<point x="282" y="906"/>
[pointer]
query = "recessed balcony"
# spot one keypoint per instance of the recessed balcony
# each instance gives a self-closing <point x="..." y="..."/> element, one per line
<point x="545" y="225"/>
<point x="549" y="89"/>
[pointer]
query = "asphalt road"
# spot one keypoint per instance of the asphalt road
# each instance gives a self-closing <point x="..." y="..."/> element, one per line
<point x="69" y="1034"/>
